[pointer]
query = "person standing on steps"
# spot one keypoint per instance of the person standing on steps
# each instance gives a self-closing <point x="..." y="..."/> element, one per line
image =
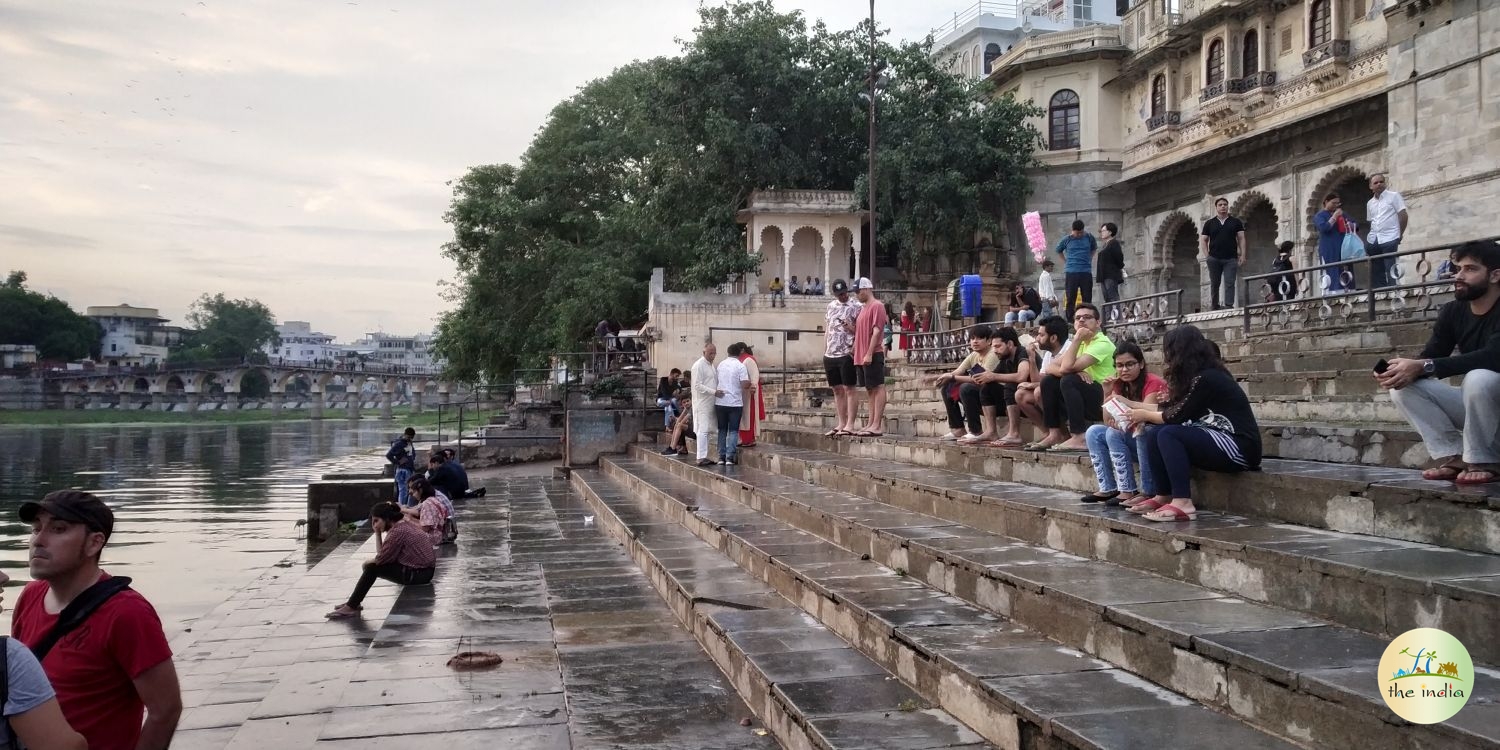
<point x="869" y="356"/>
<point x="729" y="403"/>
<point x="705" y="390"/>
<point x="1222" y="247"/>
<point x="838" y="357"/>
<point x="1460" y="425"/>
<point x="1045" y="290"/>
<point x="403" y="455"/>
<point x="1332" y="226"/>
<point x="1386" y="212"/>
<point x="1111" y="262"/>
<point x="112" y="666"/>
<point x="754" y="410"/>
<point x="1077" y="249"/>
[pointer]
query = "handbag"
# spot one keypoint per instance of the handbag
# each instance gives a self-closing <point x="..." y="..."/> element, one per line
<point x="1353" y="247"/>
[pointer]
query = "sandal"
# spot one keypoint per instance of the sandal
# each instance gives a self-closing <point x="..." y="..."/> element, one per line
<point x="1005" y="443"/>
<point x="1447" y="472"/>
<point x="835" y="432"/>
<point x="1037" y="447"/>
<point x="1060" y="449"/>
<point x="1491" y="472"/>
<point x="1168" y="513"/>
<point x="1147" y="506"/>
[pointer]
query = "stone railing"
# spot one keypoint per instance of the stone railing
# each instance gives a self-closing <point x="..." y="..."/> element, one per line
<point x="1263" y="80"/>
<point x="1213" y="91"/>
<point x="838" y="199"/>
<point x="1060" y="43"/>
<point x="1166" y="118"/>
<point x="1334" y="49"/>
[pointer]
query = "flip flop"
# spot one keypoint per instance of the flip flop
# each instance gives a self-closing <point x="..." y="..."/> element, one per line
<point x="1059" y="449"/>
<point x="867" y="433"/>
<point x="971" y="440"/>
<point x="1444" y="473"/>
<point x="1168" y="513"/>
<point x="1003" y="443"/>
<point x="832" y="433"/>
<point x="1147" y="507"/>
<point x="1491" y="470"/>
<point x="1037" y="447"/>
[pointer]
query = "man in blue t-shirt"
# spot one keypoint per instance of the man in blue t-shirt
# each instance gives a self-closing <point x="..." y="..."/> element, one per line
<point x="1077" y="250"/>
<point x="403" y="454"/>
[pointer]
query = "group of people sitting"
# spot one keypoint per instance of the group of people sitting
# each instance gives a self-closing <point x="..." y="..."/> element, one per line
<point x="1087" y="393"/>
<point x="779" y="290"/>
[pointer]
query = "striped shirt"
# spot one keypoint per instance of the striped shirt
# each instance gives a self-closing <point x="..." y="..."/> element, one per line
<point x="406" y="544"/>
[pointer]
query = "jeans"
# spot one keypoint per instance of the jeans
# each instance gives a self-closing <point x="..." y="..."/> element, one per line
<point x="393" y="572"/>
<point x="1069" y="399"/>
<point x="1111" y="290"/>
<point x="778" y="297"/>
<point x="1227" y="269"/>
<point x="402" y="476"/>
<point x="1023" y="316"/>
<point x="1115" y="453"/>
<point x="669" y="410"/>
<point x="1172" y="450"/>
<point x="974" y="398"/>
<point x="1380" y="268"/>
<point x="729" y="430"/>
<point x="1077" y="284"/>
<point x="1456" y="421"/>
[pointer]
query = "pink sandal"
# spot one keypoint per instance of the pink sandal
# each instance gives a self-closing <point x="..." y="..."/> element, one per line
<point x="1168" y="513"/>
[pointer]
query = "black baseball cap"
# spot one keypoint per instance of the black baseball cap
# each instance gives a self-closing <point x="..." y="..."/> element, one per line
<point x="73" y="506"/>
<point x="840" y="286"/>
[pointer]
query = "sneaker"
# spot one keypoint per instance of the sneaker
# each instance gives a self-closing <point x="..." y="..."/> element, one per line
<point x="733" y="461"/>
<point x="723" y="462"/>
<point x="669" y="452"/>
<point x="705" y="462"/>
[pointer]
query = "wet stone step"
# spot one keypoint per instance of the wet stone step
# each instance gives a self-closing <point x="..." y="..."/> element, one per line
<point x="953" y="653"/>
<point x="1149" y="625"/>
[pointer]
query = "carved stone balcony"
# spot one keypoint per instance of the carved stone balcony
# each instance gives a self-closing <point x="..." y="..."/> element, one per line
<point x="1255" y="90"/>
<point x="1213" y="90"/>
<point x="1328" y="62"/>
<point x="1163" y="128"/>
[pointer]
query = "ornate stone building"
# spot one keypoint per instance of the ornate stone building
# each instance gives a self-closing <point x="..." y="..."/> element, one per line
<point x="1270" y="103"/>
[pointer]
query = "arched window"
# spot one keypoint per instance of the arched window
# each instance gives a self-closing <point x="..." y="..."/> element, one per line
<point x="1158" y="95"/>
<point x="1215" y="62"/>
<point x="1062" y="118"/>
<point x="1250" y="54"/>
<point x="1320" y="23"/>
<point x="991" y="53"/>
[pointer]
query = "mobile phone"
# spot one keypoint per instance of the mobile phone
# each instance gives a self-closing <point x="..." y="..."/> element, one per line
<point x="1381" y="367"/>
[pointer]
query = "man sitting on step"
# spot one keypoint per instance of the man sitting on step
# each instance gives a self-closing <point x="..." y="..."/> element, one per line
<point x="1460" y="425"/>
<point x="968" y="402"/>
<point x="1072" y="384"/>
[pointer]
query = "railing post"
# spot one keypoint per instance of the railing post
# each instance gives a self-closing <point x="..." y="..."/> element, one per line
<point x="1370" y="295"/>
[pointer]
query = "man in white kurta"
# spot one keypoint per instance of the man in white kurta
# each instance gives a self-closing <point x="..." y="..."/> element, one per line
<point x="705" y="389"/>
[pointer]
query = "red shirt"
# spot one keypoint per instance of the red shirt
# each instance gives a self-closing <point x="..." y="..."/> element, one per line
<point x="872" y="317"/>
<point x="92" y="668"/>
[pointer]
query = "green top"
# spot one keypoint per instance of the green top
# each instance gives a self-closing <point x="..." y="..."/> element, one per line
<point x="1103" y="352"/>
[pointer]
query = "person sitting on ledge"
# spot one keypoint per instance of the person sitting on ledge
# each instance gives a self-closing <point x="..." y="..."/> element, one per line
<point x="1207" y="423"/>
<point x="682" y="429"/>
<point x="431" y="513"/>
<point x="1049" y="340"/>
<point x="967" y="402"/>
<point x="1460" y="425"/>
<point x="1116" y="449"/>
<point x="451" y="459"/>
<point x="1012" y="368"/>
<point x="1072" y="390"/>
<point x="403" y="555"/>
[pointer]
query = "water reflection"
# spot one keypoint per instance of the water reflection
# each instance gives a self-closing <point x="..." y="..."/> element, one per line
<point x="200" y="511"/>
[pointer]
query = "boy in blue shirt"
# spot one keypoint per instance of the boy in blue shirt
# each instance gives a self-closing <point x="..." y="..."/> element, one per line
<point x="1077" y="250"/>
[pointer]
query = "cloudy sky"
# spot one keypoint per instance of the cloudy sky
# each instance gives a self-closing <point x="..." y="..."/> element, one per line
<point x="293" y="152"/>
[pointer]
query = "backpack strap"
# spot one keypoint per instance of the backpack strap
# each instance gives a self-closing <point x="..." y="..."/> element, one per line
<point x="79" y="610"/>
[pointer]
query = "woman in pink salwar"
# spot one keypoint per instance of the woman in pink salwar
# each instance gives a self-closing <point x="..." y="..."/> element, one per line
<point x="755" y="408"/>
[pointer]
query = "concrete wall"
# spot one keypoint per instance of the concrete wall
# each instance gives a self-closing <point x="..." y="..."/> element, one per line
<point x="21" y="393"/>
<point x="681" y="320"/>
<point x="594" y="432"/>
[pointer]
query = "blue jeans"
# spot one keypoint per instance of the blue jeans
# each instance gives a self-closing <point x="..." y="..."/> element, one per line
<point x="402" y="475"/>
<point x="669" y="410"/>
<point x="1380" y="268"/>
<point x="1024" y="316"/>
<point x="729" y="430"/>
<point x="1115" y="455"/>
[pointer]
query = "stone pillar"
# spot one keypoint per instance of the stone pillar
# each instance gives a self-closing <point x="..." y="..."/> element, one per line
<point x="786" y="255"/>
<point x="70" y="400"/>
<point x="231" y="401"/>
<point x="161" y="402"/>
<point x="416" y="402"/>
<point x="316" y="398"/>
<point x="827" y="256"/>
<point x="354" y="397"/>
<point x="278" y="402"/>
<point x="859" y="243"/>
<point x="386" y="405"/>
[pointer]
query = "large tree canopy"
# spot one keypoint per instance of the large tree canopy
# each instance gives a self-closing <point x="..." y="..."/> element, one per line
<point x="645" y="168"/>
<point x="226" y="329"/>
<point x="45" y="322"/>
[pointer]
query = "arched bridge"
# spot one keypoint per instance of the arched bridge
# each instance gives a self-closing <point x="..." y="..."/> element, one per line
<point x="219" y="384"/>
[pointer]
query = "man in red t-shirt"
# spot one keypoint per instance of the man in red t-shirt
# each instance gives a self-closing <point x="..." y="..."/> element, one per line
<point x="115" y="668"/>
<point x="869" y="355"/>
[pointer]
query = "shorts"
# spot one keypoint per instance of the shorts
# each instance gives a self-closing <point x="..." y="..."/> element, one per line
<point x="840" y="370"/>
<point x="873" y="374"/>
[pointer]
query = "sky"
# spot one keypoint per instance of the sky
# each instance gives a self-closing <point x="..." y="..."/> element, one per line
<point x="297" y="153"/>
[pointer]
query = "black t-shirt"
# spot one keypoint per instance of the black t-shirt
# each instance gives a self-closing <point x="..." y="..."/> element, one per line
<point x="1112" y="262"/>
<point x="1009" y="365"/>
<point x="1223" y="238"/>
<point x="1475" y="337"/>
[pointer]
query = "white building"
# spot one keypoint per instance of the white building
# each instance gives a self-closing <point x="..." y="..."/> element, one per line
<point x="410" y="352"/>
<point x="133" y="336"/>
<point x="301" y="345"/>
<point x="983" y="32"/>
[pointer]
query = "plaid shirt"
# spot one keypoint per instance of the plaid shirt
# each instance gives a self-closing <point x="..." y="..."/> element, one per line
<point x="405" y="543"/>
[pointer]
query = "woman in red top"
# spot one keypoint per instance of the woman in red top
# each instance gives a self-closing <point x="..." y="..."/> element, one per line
<point x="908" y="324"/>
<point x="1116" y="448"/>
<point x="403" y="555"/>
<point x="754" y="411"/>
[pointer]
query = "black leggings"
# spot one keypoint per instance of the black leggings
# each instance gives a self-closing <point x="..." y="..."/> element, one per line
<point x="1070" y="400"/>
<point x="393" y="572"/>
<point x="1174" y="450"/>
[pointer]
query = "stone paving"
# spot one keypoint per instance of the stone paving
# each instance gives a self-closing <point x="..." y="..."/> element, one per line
<point x="593" y="658"/>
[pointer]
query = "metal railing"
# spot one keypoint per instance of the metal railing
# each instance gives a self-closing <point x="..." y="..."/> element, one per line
<point x="940" y="347"/>
<point x="483" y="402"/>
<point x="1411" y="286"/>
<point x="1142" y="318"/>
<point x="783" y="370"/>
<point x="371" y="368"/>
<point x="1009" y="9"/>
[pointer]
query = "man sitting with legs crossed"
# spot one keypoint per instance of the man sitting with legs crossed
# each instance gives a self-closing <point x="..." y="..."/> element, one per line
<point x="1072" y="386"/>
<point x="965" y="399"/>
<point x="1460" y="425"/>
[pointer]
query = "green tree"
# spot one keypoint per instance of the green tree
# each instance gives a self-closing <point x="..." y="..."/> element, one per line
<point x="44" y="321"/>
<point x="646" y="168"/>
<point x="226" y="328"/>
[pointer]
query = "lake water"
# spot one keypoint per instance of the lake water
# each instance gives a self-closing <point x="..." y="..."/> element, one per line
<point x="200" y="511"/>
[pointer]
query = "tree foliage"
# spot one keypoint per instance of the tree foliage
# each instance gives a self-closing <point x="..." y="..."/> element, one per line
<point x="646" y="168"/>
<point x="226" y="329"/>
<point x="44" y="321"/>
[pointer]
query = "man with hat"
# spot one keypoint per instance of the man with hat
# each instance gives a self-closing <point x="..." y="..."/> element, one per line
<point x="114" y="668"/>
<point x="838" y="356"/>
<point x="869" y="356"/>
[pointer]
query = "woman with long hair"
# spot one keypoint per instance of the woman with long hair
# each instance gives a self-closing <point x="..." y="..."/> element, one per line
<point x="666" y="389"/>
<point x="1117" y="448"/>
<point x="755" y="408"/>
<point x="908" y="324"/>
<point x="1205" y="423"/>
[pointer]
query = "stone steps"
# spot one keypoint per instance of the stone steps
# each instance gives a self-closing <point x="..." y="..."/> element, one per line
<point x="1392" y="445"/>
<point x="1282" y="672"/>
<point x="1012" y="686"/>
<point x="804" y="682"/>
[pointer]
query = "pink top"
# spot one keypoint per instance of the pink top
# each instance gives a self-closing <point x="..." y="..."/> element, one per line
<point x="1154" y="384"/>
<point x="871" y="317"/>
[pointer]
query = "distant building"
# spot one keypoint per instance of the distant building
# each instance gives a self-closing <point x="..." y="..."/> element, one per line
<point x="412" y="352"/>
<point x="979" y="35"/>
<point x="301" y="345"/>
<point x="17" y="356"/>
<point x="133" y="336"/>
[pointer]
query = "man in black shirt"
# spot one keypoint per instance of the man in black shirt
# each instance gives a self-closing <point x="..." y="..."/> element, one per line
<point x="443" y="477"/>
<point x="1223" y="246"/>
<point x="1459" y="425"/>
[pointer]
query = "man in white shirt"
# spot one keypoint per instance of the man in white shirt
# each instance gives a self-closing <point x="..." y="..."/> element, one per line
<point x="729" y="400"/>
<point x="705" y="390"/>
<point x="1386" y="213"/>
<point x="1045" y="291"/>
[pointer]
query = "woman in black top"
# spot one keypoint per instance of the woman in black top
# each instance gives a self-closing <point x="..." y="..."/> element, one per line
<point x="1111" y="271"/>
<point x="1205" y="423"/>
